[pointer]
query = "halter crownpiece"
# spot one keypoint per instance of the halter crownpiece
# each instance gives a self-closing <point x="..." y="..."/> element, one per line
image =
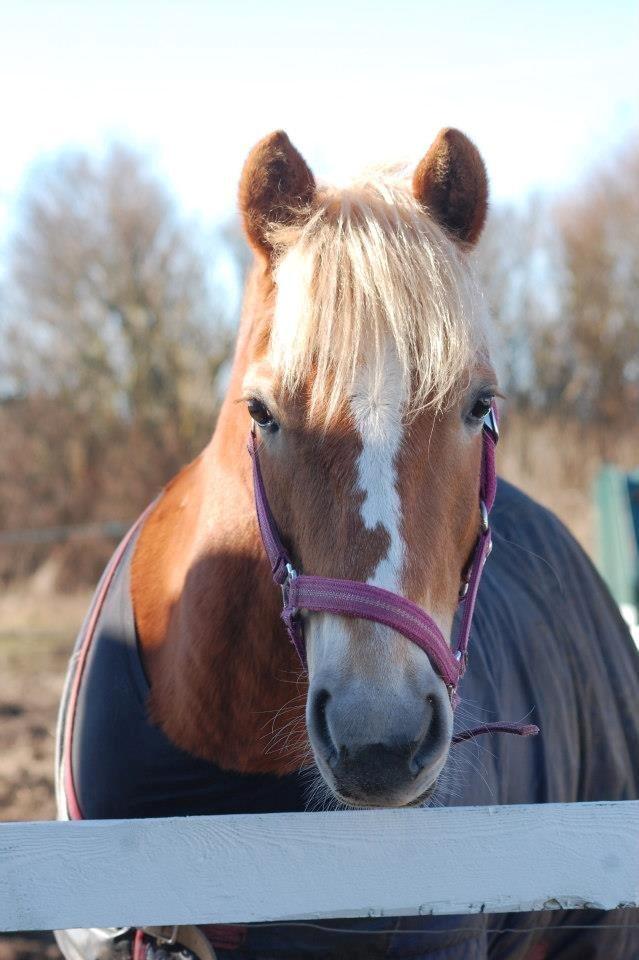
<point x="353" y="598"/>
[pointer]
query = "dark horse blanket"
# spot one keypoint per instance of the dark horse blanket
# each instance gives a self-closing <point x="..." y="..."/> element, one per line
<point x="548" y="645"/>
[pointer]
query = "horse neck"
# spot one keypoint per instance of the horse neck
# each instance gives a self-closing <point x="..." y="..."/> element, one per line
<point x="207" y="613"/>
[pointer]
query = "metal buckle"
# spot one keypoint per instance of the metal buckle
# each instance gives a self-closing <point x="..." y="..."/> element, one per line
<point x="291" y="574"/>
<point x="465" y="586"/>
<point x="484" y="516"/>
<point x="490" y="424"/>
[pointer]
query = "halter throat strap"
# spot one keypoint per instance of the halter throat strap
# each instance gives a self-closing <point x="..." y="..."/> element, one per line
<point x="303" y="593"/>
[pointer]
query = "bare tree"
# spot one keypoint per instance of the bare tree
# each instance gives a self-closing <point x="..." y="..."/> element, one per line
<point x="111" y="290"/>
<point x="113" y="342"/>
<point x="234" y="240"/>
<point x="562" y="285"/>
<point x="599" y="233"/>
<point x="517" y="269"/>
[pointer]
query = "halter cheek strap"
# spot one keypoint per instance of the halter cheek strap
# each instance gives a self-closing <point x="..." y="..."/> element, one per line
<point x="352" y="598"/>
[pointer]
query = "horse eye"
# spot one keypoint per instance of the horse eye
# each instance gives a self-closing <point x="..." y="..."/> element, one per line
<point x="261" y="414"/>
<point x="480" y="408"/>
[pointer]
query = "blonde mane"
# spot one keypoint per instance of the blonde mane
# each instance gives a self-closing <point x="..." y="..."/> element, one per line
<point x="366" y="265"/>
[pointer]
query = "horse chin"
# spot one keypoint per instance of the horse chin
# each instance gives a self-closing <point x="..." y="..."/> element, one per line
<point x="413" y="795"/>
<point x="424" y="797"/>
<point x="387" y="804"/>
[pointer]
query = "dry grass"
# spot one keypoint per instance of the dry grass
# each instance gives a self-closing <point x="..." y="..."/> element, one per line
<point x="556" y="463"/>
<point x="36" y="637"/>
<point x="26" y="610"/>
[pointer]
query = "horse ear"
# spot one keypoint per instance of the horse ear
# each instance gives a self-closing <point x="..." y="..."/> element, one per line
<point x="451" y="182"/>
<point x="276" y="184"/>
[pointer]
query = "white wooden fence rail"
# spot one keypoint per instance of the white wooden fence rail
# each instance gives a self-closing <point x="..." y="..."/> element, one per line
<point x="318" y="865"/>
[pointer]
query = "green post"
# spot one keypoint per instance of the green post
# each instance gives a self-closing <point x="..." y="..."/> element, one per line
<point x="618" y="552"/>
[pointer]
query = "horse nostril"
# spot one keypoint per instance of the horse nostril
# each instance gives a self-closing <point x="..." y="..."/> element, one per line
<point x="320" y="724"/>
<point x="430" y="743"/>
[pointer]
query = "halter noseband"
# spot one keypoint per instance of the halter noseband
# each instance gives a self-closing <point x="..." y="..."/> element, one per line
<point x="353" y="598"/>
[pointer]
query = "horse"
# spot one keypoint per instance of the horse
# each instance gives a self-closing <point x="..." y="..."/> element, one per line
<point x="364" y="390"/>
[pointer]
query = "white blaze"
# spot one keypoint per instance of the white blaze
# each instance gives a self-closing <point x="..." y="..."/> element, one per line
<point x="377" y="404"/>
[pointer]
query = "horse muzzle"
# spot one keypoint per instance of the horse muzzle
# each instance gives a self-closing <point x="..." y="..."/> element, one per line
<point x="378" y="749"/>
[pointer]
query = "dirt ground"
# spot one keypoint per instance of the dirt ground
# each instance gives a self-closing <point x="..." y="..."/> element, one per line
<point x="36" y="637"/>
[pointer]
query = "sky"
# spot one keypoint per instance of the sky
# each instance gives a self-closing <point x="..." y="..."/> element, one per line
<point x="544" y="88"/>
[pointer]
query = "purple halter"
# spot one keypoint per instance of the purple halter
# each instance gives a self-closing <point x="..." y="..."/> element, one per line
<point x="352" y="598"/>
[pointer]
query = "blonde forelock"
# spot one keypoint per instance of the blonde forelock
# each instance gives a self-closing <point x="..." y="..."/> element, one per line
<point x="364" y="266"/>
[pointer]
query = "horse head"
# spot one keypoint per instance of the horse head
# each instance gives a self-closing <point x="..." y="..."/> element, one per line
<point x="368" y="380"/>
